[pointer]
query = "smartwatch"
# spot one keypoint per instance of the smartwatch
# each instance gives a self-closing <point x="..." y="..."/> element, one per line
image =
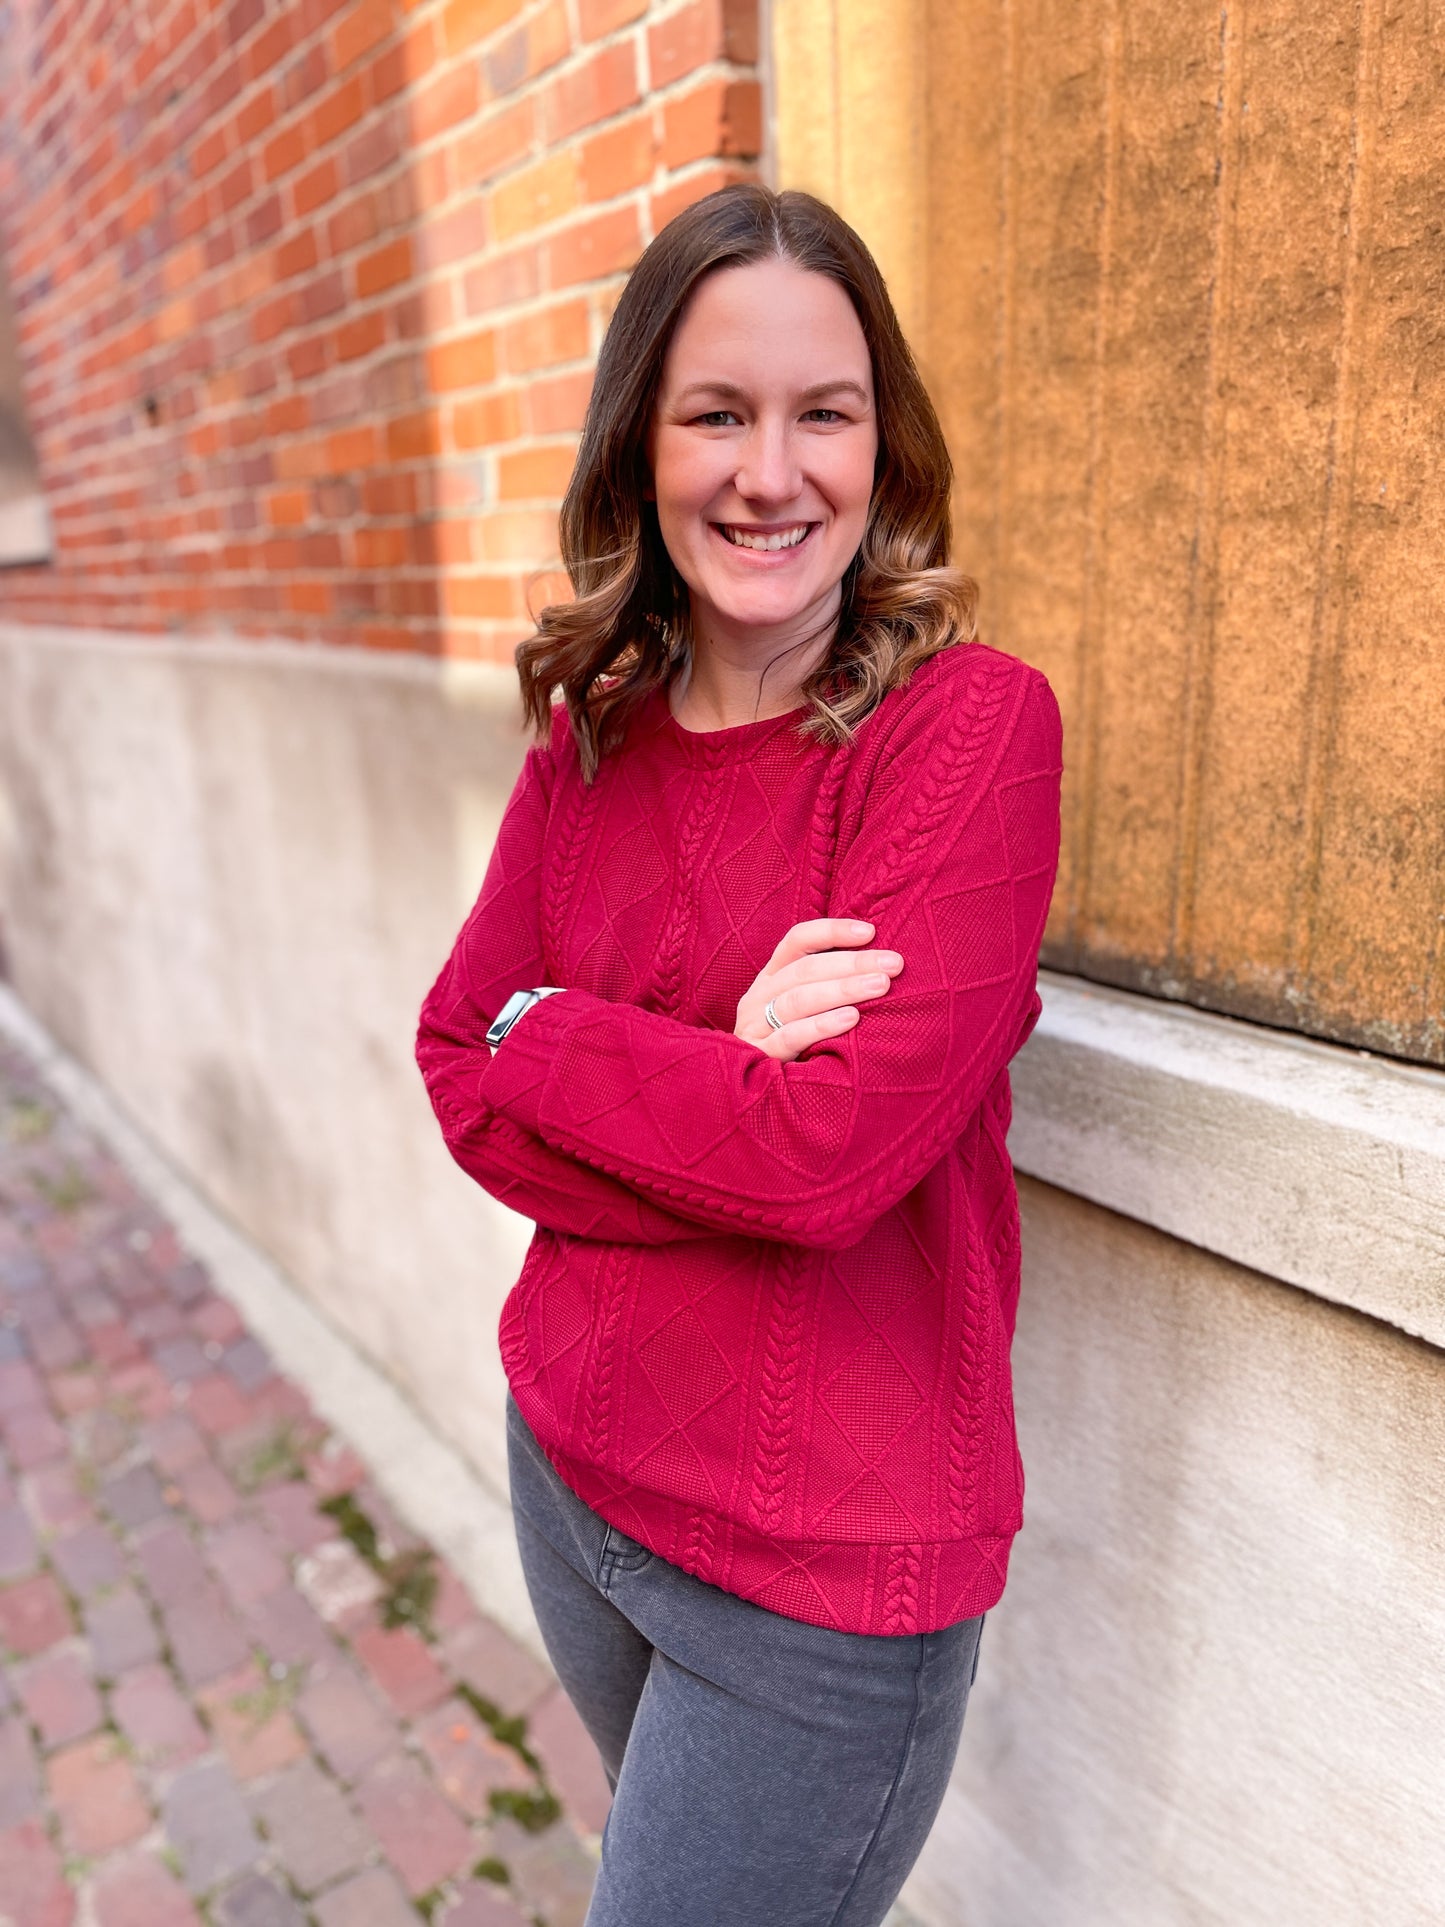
<point x="517" y="1005"/>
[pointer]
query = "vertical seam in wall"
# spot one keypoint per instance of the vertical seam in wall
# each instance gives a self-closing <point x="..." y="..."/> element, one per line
<point x="1327" y="622"/>
<point x="1083" y="753"/>
<point x="1007" y="304"/>
<point x="1201" y="626"/>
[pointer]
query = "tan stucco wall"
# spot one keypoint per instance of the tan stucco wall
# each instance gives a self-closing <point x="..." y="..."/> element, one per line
<point x="227" y="877"/>
<point x="1174" y="276"/>
<point x="1212" y="1693"/>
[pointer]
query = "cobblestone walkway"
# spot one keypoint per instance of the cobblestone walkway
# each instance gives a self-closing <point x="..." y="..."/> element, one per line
<point x="235" y="1687"/>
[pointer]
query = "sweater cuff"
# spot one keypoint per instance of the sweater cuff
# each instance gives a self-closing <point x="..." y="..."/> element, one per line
<point x="513" y="1082"/>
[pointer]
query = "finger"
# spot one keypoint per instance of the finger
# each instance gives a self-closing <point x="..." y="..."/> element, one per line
<point x="820" y="933"/>
<point x="832" y="993"/>
<point x="793" y="1039"/>
<point x="835" y="963"/>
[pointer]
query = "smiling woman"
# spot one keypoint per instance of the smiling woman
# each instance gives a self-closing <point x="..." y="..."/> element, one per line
<point x="731" y="1021"/>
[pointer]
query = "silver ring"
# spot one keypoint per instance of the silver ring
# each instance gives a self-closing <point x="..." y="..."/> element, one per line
<point x="772" y="1016"/>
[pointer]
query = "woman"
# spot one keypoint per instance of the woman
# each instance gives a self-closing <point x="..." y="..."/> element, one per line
<point x="730" y="1021"/>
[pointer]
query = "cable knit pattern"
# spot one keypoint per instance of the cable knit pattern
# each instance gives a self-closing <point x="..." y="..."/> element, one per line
<point x="765" y="1321"/>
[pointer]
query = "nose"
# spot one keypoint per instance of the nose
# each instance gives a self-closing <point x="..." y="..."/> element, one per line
<point x="768" y="470"/>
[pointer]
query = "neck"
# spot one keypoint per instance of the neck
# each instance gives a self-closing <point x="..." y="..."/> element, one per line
<point x="736" y="676"/>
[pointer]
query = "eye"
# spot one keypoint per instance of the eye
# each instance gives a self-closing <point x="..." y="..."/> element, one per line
<point x="715" y="418"/>
<point x="827" y="416"/>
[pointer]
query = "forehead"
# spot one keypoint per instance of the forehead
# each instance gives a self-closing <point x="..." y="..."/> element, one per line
<point x="770" y="322"/>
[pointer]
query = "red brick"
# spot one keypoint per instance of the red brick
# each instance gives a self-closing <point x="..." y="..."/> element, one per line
<point x="344" y="1720"/>
<point x="386" y="268"/>
<point x="557" y="404"/>
<point x="620" y="159"/>
<point x="96" y="1797"/>
<point x="560" y="333"/>
<point x="672" y="200"/>
<point x="34" y="1615"/>
<point x="485" y="421"/>
<point x="566" y="1749"/>
<point x="601" y="17"/>
<point x="603" y="86"/>
<point x="314" y="189"/>
<point x="33" y="1438"/>
<point x="251" y="1719"/>
<point x="421" y="1835"/>
<point x="360" y="337"/>
<point x="721" y="117"/>
<point x="499" y="141"/>
<point x="138" y="1891"/>
<point x="502" y="279"/>
<point x="158" y="1722"/>
<point x="363" y="26"/>
<point x="545" y="40"/>
<point x="341" y="109"/>
<point x="32" y="1879"/>
<point x="465" y="22"/>
<point x="414" y="437"/>
<point x="535" y="474"/>
<point x="469" y="362"/>
<point x="372" y="1899"/>
<point x="604" y="244"/>
<point x="453" y="96"/>
<point x="215" y="1405"/>
<point x="400" y="1664"/>
<point x="468" y="1763"/>
<point x="19" y="1775"/>
<point x="57" y="1693"/>
<point x="705" y="31"/>
<point x="452" y="237"/>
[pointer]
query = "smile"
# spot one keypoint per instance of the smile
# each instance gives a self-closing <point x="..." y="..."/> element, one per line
<point x="768" y="540"/>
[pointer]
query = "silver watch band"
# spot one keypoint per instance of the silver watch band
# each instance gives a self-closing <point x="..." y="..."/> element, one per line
<point x="515" y="1008"/>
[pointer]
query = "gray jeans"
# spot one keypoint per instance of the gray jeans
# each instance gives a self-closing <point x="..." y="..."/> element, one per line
<point x="766" y="1773"/>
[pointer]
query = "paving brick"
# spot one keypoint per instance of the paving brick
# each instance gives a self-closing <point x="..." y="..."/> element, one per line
<point x="86" y="1559"/>
<point x="56" y="1345"/>
<point x="140" y="1891"/>
<point x="250" y="1716"/>
<point x="33" y="1614"/>
<point x="55" y="1498"/>
<point x="467" y="1761"/>
<point x="552" y="1873"/>
<point x="58" y="1695"/>
<point x="401" y="1665"/>
<point x="135" y="1498"/>
<point x="420" y="1832"/>
<point x="217" y="1405"/>
<point x="74" y="1391"/>
<point x="19" y="1774"/>
<point x="182" y="1358"/>
<point x="142" y="1387"/>
<point x="291" y="1512"/>
<point x="207" y="1823"/>
<point x="565" y="1748"/>
<point x="482" y="1905"/>
<point x="94" y="1791"/>
<point x="288" y="1629"/>
<point x="311" y="1826"/>
<point x="157" y="1321"/>
<point x="149" y="1709"/>
<point x="205" y="1492"/>
<point x="22" y="1389"/>
<point x="497" y="1667"/>
<point x="173" y="1443"/>
<point x="372" y="1899"/>
<point x="256" y="1902"/>
<point x="214" y="1318"/>
<point x="19" y="1553"/>
<point x="32" y="1879"/>
<point x="248" y="1363"/>
<point x="244" y="1559"/>
<point x="103" y="1436"/>
<point x="33" y="1438"/>
<point x="170" y="1562"/>
<point x="204" y="1638"/>
<point x="122" y="1632"/>
<point x="453" y="1607"/>
<point x="344" y="1720"/>
<point x="338" y="1583"/>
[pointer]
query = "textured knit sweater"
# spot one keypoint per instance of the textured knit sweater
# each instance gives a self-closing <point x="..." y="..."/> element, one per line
<point x="764" y="1324"/>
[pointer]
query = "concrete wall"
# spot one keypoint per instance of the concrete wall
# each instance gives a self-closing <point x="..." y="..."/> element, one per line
<point x="1212" y="1693"/>
<point x="227" y="877"/>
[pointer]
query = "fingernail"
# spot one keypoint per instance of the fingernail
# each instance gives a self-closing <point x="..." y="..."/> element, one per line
<point x="876" y="983"/>
<point x="858" y="923"/>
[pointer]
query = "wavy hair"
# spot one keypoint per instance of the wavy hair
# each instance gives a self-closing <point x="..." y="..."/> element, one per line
<point x="628" y="631"/>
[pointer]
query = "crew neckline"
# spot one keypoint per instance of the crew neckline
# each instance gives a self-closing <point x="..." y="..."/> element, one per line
<point x="715" y="745"/>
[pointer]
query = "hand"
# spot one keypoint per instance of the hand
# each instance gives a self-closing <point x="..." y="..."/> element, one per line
<point x="816" y="986"/>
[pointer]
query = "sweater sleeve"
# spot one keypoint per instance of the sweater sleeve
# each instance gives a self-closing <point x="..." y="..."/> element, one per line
<point x="499" y="951"/>
<point x="955" y="871"/>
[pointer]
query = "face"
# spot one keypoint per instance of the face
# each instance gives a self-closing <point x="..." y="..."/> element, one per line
<point x="762" y="449"/>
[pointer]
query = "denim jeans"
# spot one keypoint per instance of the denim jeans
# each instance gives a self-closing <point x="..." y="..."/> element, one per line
<point x="766" y="1773"/>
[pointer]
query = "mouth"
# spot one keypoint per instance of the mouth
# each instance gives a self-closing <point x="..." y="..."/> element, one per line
<point x="765" y="541"/>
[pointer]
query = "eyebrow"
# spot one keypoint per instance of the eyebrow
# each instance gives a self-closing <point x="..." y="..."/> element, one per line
<point x="729" y="390"/>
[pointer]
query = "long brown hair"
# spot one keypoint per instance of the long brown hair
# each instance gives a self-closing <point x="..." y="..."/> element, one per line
<point x="628" y="630"/>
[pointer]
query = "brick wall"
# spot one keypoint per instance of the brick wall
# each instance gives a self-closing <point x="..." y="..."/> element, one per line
<point x="308" y="294"/>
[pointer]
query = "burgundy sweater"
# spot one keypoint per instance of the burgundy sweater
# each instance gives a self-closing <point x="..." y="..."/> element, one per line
<point x="764" y="1324"/>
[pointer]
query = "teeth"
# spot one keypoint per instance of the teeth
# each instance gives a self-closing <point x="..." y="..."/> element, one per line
<point x="779" y="539"/>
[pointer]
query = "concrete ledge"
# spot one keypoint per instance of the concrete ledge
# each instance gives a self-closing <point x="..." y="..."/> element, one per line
<point x="1321" y="1166"/>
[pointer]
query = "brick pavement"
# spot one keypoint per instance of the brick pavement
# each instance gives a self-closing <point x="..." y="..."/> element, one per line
<point x="235" y="1687"/>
